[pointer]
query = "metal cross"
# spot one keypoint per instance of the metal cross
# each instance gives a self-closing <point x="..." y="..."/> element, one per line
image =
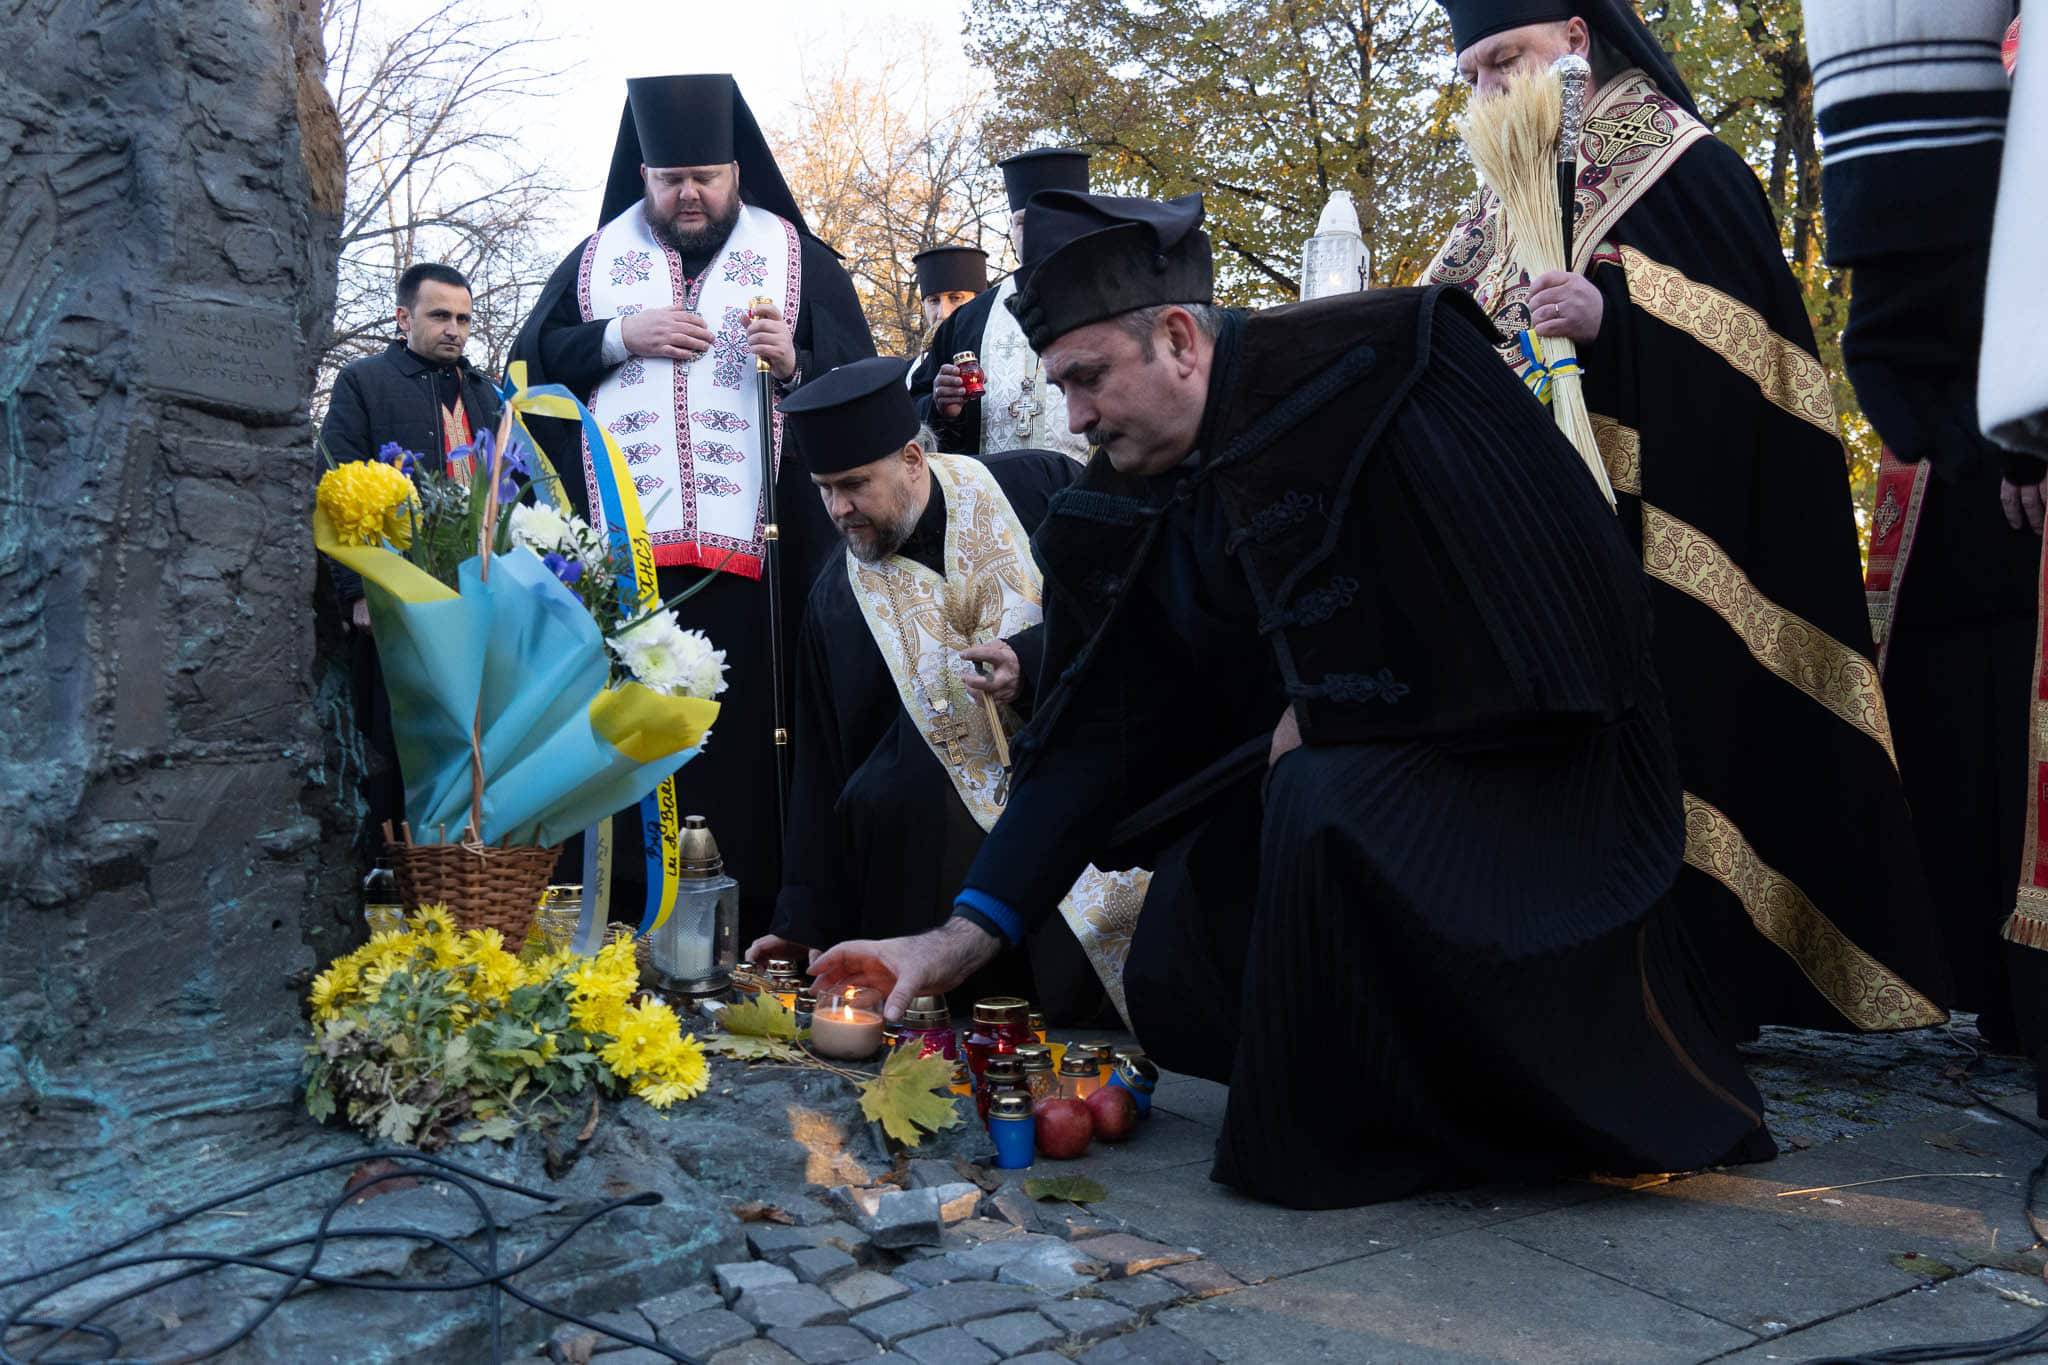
<point x="1024" y="409"/>
<point x="949" y="730"/>
<point x="1618" y="135"/>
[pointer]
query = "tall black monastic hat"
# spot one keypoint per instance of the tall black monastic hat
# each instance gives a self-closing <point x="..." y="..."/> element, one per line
<point x="1614" y="20"/>
<point x="697" y="120"/>
<point x="947" y="269"/>
<point x="1046" y="168"/>
<point x="1094" y="256"/>
<point x="852" y="415"/>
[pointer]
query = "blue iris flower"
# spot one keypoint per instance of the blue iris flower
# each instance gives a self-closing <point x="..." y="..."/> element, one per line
<point x="568" y="570"/>
<point x="391" y="452"/>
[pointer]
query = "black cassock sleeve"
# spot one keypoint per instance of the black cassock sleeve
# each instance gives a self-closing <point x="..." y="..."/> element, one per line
<point x="961" y="433"/>
<point x="810" y="909"/>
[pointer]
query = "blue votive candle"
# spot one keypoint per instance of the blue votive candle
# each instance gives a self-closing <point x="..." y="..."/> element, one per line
<point x="1011" y="1125"/>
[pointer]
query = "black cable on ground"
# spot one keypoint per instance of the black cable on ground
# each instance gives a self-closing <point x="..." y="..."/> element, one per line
<point x="46" y="1333"/>
<point x="2026" y="1342"/>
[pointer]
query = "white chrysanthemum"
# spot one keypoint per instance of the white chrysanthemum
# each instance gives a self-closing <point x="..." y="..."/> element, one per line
<point x="680" y="663"/>
<point x="541" y="529"/>
<point x="703" y="666"/>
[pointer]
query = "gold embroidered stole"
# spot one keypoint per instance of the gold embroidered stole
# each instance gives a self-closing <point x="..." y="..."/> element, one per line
<point x="921" y="621"/>
<point x="1633" y="134"/>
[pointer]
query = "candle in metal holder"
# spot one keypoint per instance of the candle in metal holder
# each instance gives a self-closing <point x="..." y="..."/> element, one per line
<point x="1036" y="1060"/>
<point x="928" y="1028"/>
<point x="972" y="377"/>
<point x="1011" y="1125"/>
<point x="1079" y="1076"/>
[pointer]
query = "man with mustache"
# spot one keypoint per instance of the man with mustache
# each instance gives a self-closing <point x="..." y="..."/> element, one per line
<point x="1350" y="653"/>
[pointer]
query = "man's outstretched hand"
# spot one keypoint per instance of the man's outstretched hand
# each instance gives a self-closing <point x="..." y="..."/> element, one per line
<point x="904" y="968"/>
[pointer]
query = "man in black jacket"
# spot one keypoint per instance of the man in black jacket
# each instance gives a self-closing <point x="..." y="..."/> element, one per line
<point x="423" y="397"/>
<point x="1350" y="652"/>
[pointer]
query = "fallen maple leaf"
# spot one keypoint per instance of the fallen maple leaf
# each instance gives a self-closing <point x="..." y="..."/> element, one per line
<point x="761" y="1017"/>
<point x="908" y="1097"/>
<point x="1074" y="1189"/>
<point x="361" y="1177"/>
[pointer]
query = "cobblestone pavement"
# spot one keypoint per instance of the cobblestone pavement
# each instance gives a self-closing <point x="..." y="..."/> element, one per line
<point x="1894" y="1216"/>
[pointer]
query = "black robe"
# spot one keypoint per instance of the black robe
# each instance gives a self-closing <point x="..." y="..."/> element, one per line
<point x="1803" y="887"/>
<point x="732" y="781"/>
<point x="1959" y="675"/>
<point x="878" y="838"/>
<point x="961" y="434"/>
<point x="1432" y="945"/>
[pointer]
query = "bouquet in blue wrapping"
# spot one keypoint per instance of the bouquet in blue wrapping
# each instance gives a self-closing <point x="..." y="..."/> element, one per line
<point x="537" y="683"/>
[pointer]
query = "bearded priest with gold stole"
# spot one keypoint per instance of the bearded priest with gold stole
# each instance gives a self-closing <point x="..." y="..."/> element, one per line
<point x="652" y="323"/>
<point x="918" y="654"/>
<point x="1802" y="889"/>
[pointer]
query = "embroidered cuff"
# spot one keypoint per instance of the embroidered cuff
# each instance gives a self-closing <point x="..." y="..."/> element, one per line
<point x="986" y="912"/>
<point x="614" y="350"/>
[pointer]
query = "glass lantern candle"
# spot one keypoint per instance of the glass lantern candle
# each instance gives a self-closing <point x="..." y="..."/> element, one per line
<point x="848" y="1026"/>
<point x="1334" y="260"/>
<point x="1036" y="1060"/>
<point x="783" y="980"/>
<point x="972" y="377"/>
<point x="383" y="908"/>
<point x="1001" y="1024"/>
<point x="1098" y="1053"/>
<point x="928" y="1028"/>
<point x="1004" y="1075"/>
<point x="696" y="948"/>
<point x="1079" y="1076"/>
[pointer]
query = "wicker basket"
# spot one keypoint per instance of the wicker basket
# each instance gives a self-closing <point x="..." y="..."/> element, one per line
<point x="483" y="887"/>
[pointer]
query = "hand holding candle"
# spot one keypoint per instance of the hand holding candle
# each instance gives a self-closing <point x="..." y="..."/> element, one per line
<point x="848" y="1026"/>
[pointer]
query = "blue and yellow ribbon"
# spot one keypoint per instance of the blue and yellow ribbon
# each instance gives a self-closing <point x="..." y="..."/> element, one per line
<point x="626" y="526"/>
<point x="1540" y="373"/>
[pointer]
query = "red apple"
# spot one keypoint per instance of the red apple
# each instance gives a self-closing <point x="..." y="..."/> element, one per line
<point x="1114" y="1113"/>
<point x="1064" y="1127"/>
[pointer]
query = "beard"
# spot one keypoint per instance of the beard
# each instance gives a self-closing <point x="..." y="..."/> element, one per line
<point x="879" y="538"/>
<point x="693" y="242"/>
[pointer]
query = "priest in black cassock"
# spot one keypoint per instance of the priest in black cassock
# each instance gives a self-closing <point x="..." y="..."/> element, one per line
<point x="1019" y="410"/>
<point x="948" y="279"/>
<point x="652" y="323"/>
<point x="1803" y="885"/>
<point x="1352" y="653"/>
<point x="899" y="770"/>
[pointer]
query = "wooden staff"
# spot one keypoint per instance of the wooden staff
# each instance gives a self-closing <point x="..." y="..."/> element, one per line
<point x="771" y="573"/>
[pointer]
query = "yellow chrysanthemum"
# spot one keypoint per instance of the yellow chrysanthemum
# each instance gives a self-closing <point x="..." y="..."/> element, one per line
<point x="429" y="918"/>
<point x="360" y="499"/>
<point x="644" y="1033"/>
<point x="334" y="988"/>
<point x="543" y="969"/>
<point x="679" y="1072"/>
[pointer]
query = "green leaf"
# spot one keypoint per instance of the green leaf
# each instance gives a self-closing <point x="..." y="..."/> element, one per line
<point x="1921" y="1264"/>
<point x="1074" y="1189"/>
<point x="396" y="1124"/>
<point x="455" y="1058"/>
<point x="499" y="1129"/>
<point x="319" y="1102"/>
<point x="762" y="1017"/>
<point x="909" y="1097"/>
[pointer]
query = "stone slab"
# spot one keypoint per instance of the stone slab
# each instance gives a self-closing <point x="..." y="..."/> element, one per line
<point x="825" y="1345"/>
<point x="776" y="1242"/>
<point x="1013" y="1334"/>
<point x="1163" y="1142"/>
<point x="1191" y="1097"/>
<point x="697" y="1298"/>
<point x="1146" y="1346"/>
<point x="738" y="1277"/>
<point x="1056" y="1267"/>
<point x="956" y="1304"/>
<point x="1196" y="1280"/>
<point x="1788" y="1260"/>
<point x="758" y="1352"/>
<point x="1256" y="1241"/>
<point x="1086" y="1320"/>
<point x="865" y="1289"/>
<point x="801" y="1305"/>
<point x="946" y="1269"/>
<point x="699" y="1336"/>
<point x="1141" y="1293"/>
<point x="1124" y="1254"/>
<point x="821" y="1265"/>
<point x="946" y="1346"/>
<point x="1469" y="1297"/>
<point x="892" y="1322"/>
<point x="1966" y="1308"/>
